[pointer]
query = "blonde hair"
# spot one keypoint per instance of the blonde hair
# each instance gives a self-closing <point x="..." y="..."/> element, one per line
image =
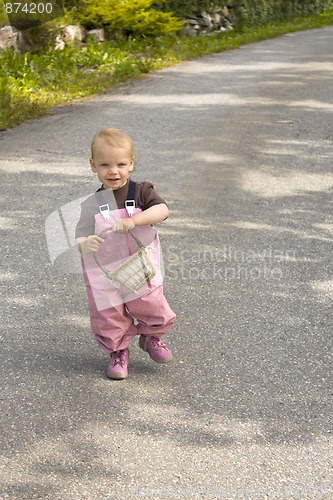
<point x="115" y="138"/>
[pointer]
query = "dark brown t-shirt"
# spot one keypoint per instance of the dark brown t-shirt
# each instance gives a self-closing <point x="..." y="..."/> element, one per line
<point x="145" y="197"/>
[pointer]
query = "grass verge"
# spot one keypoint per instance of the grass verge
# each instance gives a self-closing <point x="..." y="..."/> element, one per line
<point x="31" y="84"/>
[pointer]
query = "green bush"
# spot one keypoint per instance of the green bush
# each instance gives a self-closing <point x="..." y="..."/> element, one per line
<point x="128" y="17"/>
<point x="247" y="12"/>
<point x="185" y="8"/>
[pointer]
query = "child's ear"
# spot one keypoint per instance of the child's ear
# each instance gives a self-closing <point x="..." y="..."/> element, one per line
<point x="93" y="166"/>
<point x="132" y="164"/>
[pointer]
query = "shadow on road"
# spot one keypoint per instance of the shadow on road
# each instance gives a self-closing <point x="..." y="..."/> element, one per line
<point x="247" y="252"/>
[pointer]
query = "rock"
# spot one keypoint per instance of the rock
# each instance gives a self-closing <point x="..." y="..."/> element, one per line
<point x="73" y="34"/>
<point x="12" y="37"/>
<point x="98" y="35"/>
<point x="190" y="28"/>
<point x="207" y="22"/>
<point x="217" y="19"/>
<point x="9" y="37"/>
<point x="225" y="11"/>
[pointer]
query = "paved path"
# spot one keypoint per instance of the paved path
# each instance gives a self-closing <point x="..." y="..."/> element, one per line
<point x="240" y="144"/>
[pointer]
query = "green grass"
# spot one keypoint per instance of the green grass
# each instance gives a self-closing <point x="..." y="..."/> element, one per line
<point x="31" y="84"/>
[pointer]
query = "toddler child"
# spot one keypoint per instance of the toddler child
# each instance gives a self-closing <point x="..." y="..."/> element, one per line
<point x="114" y="308"/>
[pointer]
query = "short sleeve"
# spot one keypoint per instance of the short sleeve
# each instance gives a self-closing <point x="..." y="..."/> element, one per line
<point x="146" y="196"/>
<point x="86" y="224"/>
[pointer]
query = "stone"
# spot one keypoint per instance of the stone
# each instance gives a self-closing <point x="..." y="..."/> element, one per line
<point x="190" y="28"/>
<point x="98" y="35"/>
<point x="225" y="11"/>
<point x="206" y="19"/>
<point x="207" y="22"/>
<point x="73" y="34"/>
<point x="217" y="19"/>
<point x="8" y="37"/>
<point x="12" y="37"/>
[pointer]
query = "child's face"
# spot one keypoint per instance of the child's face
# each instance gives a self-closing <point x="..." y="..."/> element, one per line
<point x="111" y="164"/>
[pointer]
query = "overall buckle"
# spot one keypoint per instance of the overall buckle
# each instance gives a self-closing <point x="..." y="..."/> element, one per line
<point x="104" y="210"/>
<point x="130" y="206"/>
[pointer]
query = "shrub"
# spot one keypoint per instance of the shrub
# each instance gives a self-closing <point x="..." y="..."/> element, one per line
<point x="257" y="12"/>
<point x="130" y="17"/>
<point x="185" y="8"/>
<point x="248" y="12"/>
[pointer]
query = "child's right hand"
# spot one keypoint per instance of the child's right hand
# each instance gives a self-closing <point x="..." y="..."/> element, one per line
<point x="91" y="244"/>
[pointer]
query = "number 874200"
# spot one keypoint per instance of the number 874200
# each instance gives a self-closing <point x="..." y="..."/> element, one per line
<point x="32" y="8"/>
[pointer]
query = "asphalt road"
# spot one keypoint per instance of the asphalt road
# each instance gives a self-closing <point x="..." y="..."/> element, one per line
<point x="240" y="146"/>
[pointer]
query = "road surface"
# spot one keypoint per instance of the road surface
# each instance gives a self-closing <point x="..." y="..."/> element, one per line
<point x="240" y="145"/>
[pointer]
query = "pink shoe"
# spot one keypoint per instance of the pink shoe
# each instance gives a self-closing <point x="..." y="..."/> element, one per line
<point x="117" y="368"/>
<point x="156" y="349"/>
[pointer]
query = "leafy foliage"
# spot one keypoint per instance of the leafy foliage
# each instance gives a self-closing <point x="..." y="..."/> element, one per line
<point x="30" y="83"/>
<point x="184" y="8"/>
<point x="257" y="12"/>
<point x="248" y="12"/>
<point x="130" y="17"/>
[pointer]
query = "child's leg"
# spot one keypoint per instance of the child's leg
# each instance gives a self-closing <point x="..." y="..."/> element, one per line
<point x="153" y="313"/>
<point x="112" y="328"/>
<point x="154" y="317"/>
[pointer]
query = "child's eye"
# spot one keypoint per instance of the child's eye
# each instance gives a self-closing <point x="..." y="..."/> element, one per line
<point x="121" y="164"/>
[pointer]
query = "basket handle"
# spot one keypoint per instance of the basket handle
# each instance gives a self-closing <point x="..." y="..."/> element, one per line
<point x="139" y="243"/>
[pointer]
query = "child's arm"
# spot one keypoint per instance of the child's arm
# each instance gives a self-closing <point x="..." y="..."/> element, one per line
<point x="151" y="216"/>
<point x="88" y="244"/>
<point x="148" y="217"/>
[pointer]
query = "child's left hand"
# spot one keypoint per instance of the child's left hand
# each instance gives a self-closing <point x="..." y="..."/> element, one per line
<point x="123" y="225"/>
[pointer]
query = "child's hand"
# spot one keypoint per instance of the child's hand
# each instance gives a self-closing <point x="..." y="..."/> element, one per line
<point x="123" y="225"/>
<point x="91" y="243"/>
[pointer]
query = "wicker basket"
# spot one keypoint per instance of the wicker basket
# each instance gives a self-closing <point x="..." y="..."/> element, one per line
<point x="135" y="272"/>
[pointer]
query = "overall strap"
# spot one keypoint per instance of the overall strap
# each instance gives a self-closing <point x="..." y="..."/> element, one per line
<point x="131" y="190"/>
<point x="100" y="198"/>
<point x="103" y="207"/>
<point x="129" y="203"/>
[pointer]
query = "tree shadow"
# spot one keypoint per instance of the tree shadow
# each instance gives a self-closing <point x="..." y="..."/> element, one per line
<point x="246" y="251"/>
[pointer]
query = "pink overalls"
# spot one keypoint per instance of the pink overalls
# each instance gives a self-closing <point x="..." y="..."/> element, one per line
<point x="113" y="309"/>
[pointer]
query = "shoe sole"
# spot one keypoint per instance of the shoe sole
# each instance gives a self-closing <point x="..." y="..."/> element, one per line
<point x="117" y="376"/>
<point x="162" y="362"/>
